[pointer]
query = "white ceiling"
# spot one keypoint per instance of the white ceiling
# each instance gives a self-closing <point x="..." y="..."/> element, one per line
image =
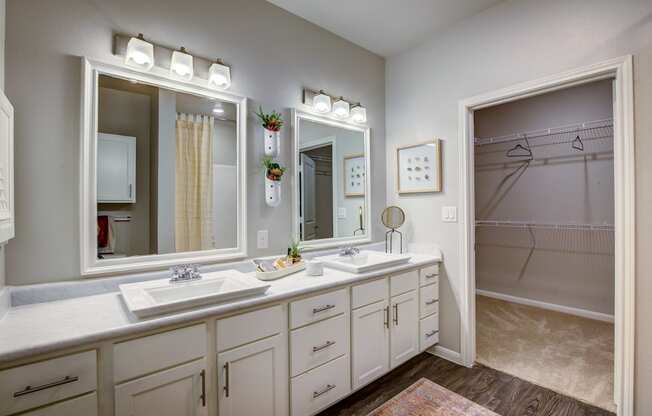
<point x="385" y="27"/>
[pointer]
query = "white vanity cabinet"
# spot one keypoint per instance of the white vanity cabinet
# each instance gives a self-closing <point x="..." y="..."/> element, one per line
<point x="252" y="364"/>
<point x="428" y="307"/>
<point x="404" y="332"/>
<point x="116" y="168"/>
<point x="162" y="374"/>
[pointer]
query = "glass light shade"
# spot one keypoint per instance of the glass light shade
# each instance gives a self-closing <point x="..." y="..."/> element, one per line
<point x="322" y="103"/>
<point x="219" y="75"/>
<point x="359" y="114"/>
<point x="182" y="65"/>
<point x="140" y="54"/>
<point x="341" y="108"/>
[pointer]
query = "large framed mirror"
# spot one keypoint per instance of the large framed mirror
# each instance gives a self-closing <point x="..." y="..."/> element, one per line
<point x="331" y="192"/>
<point x="163" y="171"/>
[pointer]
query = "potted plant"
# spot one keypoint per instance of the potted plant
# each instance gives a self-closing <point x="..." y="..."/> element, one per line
<point x="273" y="174"/>
<point x="272" y="123"/>
<point x="294" y="252"/>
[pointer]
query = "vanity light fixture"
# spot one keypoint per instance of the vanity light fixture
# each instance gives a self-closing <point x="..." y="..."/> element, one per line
<point x="219" y="75"/>
<point x="322" y="102"/>
<point x="140" y="53"/>
<point x="341" y="108"/>
<point x="182" y="64"/>
<point x="359" y="113"/>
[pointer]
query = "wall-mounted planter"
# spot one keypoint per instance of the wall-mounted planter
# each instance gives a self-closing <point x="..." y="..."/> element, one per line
<point x="272" y="192"/>
<point x="272" y="142"/>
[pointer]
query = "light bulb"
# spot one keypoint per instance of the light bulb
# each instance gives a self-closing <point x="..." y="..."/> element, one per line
<point x="219" y="75"/>
<point x="341" y="108"/>
<point x="140" y="54"/>
<point x="322" y="102"/>
<point x="359" y="114"/>
<point x="182" y="65"/>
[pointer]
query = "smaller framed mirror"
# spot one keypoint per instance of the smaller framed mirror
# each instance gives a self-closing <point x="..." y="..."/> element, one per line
<point x="331" y="192"/>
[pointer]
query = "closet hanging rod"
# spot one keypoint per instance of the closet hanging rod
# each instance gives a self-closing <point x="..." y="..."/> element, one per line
<point x="526" y="225"/>
<point x="534" y="134"/>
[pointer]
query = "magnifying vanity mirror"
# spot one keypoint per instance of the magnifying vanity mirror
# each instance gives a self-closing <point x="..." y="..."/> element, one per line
<point x="332" y="192"/>
<point x="164" y="163"/>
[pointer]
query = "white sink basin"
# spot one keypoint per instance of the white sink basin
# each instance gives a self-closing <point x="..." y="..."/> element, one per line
<point x="365" y="261"/>
<point x="160" y="296"/>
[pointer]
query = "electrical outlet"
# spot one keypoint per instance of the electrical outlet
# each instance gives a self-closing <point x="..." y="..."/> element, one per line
<point x="263" y="239"/>
<point x="449" y="214"/>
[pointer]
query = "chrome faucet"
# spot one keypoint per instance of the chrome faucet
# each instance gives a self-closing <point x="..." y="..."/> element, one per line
<point x="349" y="251"/>
<point x="185" y="273"/>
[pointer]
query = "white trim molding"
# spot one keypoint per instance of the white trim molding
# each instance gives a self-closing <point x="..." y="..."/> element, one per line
<point x="621" y="71"/>
<point x="446" y="354"/>
<point x="584" y="313"/>
<point x="298" y="115"/>
<point x="89" y="263"/>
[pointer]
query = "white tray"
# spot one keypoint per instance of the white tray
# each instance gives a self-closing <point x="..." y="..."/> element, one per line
<point x="277" y="274"/>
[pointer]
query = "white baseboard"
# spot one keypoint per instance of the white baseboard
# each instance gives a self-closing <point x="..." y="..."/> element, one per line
<point x="446" y="354"/>
<point x="598" y="316"/>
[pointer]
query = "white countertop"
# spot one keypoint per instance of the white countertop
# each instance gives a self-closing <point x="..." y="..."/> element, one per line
<point x="41" y="328"/>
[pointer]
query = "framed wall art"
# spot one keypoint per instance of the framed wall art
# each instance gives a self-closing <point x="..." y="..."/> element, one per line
<point x="418" y="167"/>
<point x="354" y="175"/>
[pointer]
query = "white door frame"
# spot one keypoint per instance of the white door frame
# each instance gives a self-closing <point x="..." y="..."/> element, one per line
<point x="620" y="69"/>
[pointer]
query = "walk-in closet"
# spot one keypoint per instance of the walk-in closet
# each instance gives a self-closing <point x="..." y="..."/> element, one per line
<point x="544" y="240"/>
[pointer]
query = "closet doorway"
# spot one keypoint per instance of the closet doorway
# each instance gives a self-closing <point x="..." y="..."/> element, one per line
<point x="619" y="72"/>
<point x="544" y="240"/>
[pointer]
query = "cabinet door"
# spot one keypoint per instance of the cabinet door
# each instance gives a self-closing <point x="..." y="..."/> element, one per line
<point x="253" y="379"/>
<point x="116" y="168"/>
<point x="404" y="328"/>
<point x="179" y="391"/>
<point x="370" y="342"/>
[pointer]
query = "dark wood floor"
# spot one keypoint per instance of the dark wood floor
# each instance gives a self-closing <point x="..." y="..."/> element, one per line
<point x="499" y="392"/>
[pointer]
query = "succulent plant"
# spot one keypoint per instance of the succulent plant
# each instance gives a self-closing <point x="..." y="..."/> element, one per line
<point x="271" y="121"/>
<point x="273" y="170"/>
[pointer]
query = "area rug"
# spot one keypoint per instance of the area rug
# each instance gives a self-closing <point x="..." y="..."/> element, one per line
<point x="425" y="398"/>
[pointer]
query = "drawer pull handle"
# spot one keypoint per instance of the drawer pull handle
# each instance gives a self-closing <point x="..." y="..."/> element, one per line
<point x="30" y="389"/>
<point x="326" y="389"/>
<point x="387" y="317"/>
<point x="226" y="379"/>
<point x="396" y="314"/>
<point x="323" y="346"/>
<point x="323" y="308"/>
<point x="203" y="388"/>
<point x="431" y="301"/>
<point x="431" y="333"/>
<point x="430" y="276"/>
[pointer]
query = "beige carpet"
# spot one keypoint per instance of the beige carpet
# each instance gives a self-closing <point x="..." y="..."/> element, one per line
<point x="426" y="398"/>
<point x="565" y="353"/>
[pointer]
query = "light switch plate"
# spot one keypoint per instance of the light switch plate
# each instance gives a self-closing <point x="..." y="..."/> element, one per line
<point x="449" y="214"/>
<point x="341" y="213"/>
<point x="263" y="239"/>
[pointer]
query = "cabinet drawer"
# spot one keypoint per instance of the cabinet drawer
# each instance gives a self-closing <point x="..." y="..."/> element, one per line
<point x="429" y="275"/>
<point x="248" y="327"/>
<point x="428" y="332"/>
<point x="156" y="352"/>
<point x="38" y="384"/>
<point x="319" y="307"/>
<point x="319" y="343"/>
<point x="404" y="282"/>
<point x="319" y="388"/>
<point x="80" y="406"/>
<point x="368" y="293"/>
<point x="428" y="300"/>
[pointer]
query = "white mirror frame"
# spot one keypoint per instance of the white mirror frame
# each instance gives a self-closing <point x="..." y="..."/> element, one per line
<point x="297" y="116"/>
<point x="160" y="77"/>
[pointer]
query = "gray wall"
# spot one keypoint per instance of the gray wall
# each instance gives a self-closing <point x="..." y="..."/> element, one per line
<point x="571" y="267"/>
<point x="273" y="55"/>
<point x="513" y="42"/>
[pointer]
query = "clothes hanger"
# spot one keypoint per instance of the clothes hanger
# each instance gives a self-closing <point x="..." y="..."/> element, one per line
<point x="577" y="144"/>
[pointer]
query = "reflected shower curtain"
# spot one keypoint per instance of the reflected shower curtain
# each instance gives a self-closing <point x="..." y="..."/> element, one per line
<point x="194" y="183"/>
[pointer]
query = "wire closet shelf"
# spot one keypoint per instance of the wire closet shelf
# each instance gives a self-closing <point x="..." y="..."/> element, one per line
<point x="547" y="226"/>
<point x="590" y="130"/>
